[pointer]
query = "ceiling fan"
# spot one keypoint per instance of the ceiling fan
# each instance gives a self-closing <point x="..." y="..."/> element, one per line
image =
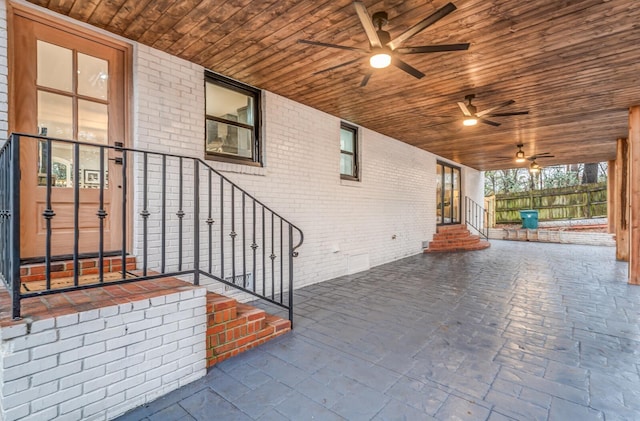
<point x="472" y="115"/>
<point x="534" y="167"/>
<point x="520" y="156"/>
<point x="384" y="51"/>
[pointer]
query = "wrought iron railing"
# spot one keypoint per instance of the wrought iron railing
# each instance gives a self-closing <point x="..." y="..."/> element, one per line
<point x="190" y="221"/>
<point x="476" y="217"/>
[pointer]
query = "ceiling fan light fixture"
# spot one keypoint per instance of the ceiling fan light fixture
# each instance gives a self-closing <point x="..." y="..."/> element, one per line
<point x="520" y="155"/>
<point x="470" y="121"/>
<point x="380" y="60"/>
<point x="534" y="167"/>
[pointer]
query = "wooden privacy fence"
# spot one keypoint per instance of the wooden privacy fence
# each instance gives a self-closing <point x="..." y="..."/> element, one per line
<point x="577" y="202"/>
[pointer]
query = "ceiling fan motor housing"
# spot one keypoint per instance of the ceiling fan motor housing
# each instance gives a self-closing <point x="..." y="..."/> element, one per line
<point x="380" y="19"/>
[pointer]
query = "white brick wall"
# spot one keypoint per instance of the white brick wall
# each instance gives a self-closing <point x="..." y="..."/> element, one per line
<point x="348" y="226"/>
<point x="100" y="363"/>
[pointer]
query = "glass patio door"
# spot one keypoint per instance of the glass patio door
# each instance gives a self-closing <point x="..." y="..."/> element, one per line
<point x="447" y="194"/>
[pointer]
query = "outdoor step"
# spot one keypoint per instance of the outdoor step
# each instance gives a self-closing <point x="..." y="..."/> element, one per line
<point x="451" y="238"/>
<point x="470" y="247"/>
<point x="64" y="269"/>
<point x="234" y="327"/>
<point x="471" y="239"/>
<point x="452" y="234"/>
<point x="450" y="228"/>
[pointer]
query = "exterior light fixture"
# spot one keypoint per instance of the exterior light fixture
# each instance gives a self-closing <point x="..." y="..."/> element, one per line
<point x="520" y="154"/>
<point x="534" y="167"/>
<point x="470" y="121"/>
<point x="380" y="60"/>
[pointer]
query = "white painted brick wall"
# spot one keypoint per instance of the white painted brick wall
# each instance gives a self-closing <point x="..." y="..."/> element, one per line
<point x="345" y="223"/>
<point x="100" y="363"/>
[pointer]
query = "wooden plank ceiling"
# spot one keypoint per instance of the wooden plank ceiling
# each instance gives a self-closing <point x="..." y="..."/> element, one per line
<point x="573" y="64"/>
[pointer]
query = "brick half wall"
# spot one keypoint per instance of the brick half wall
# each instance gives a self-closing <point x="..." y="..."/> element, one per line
<point x="99" y="363"/>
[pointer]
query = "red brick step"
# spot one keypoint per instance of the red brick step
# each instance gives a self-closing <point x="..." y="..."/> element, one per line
<point x="452" y="238"/>
<point x="234" y="327"/>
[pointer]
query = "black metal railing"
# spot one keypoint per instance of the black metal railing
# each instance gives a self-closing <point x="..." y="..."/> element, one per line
<point x="189" y="221"/>
<point x="476" y="217"/>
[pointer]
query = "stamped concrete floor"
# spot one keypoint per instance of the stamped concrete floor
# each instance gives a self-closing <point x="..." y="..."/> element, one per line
<point x="525" y="331"/>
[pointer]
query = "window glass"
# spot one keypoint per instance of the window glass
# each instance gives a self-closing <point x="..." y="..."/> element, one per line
<point x="231" y="120"/>
<point x="346" y="140"/>
<point x="348" y="152"/>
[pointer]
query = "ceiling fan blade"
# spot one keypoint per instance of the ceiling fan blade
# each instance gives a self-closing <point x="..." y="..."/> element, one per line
<point x="489" y="122"/>
<point x="464" y="109"/>
<point x="346" y="63"/>
<point x="365" y="80"/>
<point x="541" y="155"/>
<point x="432" y="48"/>
<point x="507" y="114"/>
<point x="441" y="123"/>
<point x="407" y="68"/>
<point x="489" y="110"/>
<point x="367" y="24"/>
<point x="423" y="24"/>
<point x="324" y="44"/>
<point x="534" y="157"/>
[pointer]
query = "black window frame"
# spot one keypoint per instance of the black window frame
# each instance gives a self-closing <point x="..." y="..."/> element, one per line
<point x="256" y="147"/>
<point x="355" y="153"/>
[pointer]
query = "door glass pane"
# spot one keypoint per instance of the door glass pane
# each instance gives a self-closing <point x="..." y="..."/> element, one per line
<point x="93" y="75"/>
<point x="228" y="139"/>
<point x="55" y="66"/>
<point x="55" y="115"/>
<point x="62" y="164"/>
<point x="93" y="122"/>
<point x="456" y="196"/>
<point x="90" y="167"/>
<point x="447" y="195"/>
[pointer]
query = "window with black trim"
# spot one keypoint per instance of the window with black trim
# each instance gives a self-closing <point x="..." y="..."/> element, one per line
<point x="232" y="120"/>
<point x="348" y="152"/>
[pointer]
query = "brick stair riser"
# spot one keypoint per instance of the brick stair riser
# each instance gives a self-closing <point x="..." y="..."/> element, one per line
<point x="233" y="328"/>
<point x="36" y="272"/>
<point x="459" y="242"/>
<point x="482" y="245"/>
<point x="451" y="228"/>
<point x="449" y="236"/>
<point x="452" y="240"/>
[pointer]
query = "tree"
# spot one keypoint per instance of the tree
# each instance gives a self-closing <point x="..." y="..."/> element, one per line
<point x="590" y="173"/>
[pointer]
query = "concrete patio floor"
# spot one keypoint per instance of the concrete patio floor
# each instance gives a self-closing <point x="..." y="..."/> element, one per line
<point x="525" y="331"/>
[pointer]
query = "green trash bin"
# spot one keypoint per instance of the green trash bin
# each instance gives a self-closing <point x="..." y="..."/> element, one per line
<point x="529" y="219"/>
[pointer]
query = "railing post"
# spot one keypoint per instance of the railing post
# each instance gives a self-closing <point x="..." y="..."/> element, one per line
<point x="291" y="275"/>
<point x="196" y="222"/>
<point x="15" y="226"/>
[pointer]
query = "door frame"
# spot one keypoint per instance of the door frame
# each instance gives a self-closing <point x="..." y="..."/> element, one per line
<point x="460" y="204"/>
<point x="80" y="30"/>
